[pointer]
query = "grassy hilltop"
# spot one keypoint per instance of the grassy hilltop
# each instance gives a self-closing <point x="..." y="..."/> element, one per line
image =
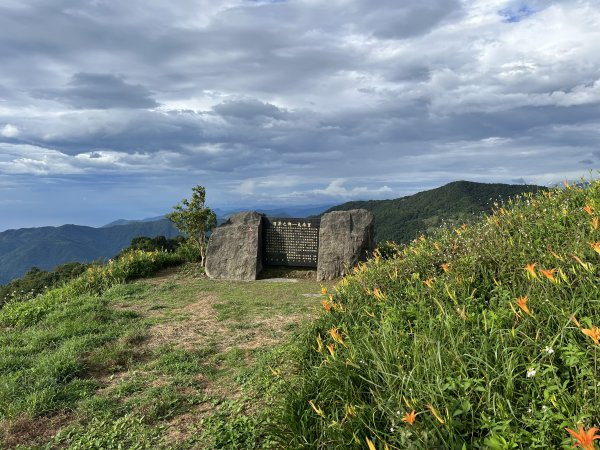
<point x="482" y="336"/>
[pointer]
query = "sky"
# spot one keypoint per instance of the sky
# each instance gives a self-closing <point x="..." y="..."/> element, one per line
<point x="115" y="109"/>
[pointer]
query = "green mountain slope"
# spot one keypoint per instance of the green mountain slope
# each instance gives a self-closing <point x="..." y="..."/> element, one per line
<point x="47" y="247"/>
<point x="402" y="219"/>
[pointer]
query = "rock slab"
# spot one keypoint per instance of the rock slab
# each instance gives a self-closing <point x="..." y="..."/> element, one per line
<point x="345" y="238"/>
<point x="234" y="248"/>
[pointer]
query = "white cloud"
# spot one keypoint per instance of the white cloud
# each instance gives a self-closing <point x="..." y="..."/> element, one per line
<point x="9" y="131"/>
<point x="336" y="188"/>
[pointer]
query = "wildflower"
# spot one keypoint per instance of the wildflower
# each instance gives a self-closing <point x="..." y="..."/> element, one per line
<point x="435" y="414"/>
<point x="428" y="282"/>
<point x="584" y="439"/>
<point x="589" y="209"/>
<point x="522" y="303"/>
<point x="410" y="417"/>
<point x="549" y="350"/>
<point x="331" y="349"/>
<point x="531" y="372"/>
<point x="531" y="269"/>
<point x="370" y="444"/>
<point x="593" y="333"/>
<point x="595" y="246"/>
<point x="378" y="294"/>
<point x="337" y="337"/>
<point x="549" y="273"/>
<point x="318" y="410"/>
<point x="445" y="267"/>
<point x="323" y="290"/>
<point x="326" y="305"/>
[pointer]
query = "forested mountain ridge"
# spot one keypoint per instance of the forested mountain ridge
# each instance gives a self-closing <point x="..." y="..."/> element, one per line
<point x="402" y="219"/>
<point x="47" y="247"/>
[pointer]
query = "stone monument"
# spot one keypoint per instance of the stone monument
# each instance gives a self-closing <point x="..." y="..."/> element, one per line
<point x="238" y="249"/>
<point x="234" y="248"/>
<point x="345" y="238"/>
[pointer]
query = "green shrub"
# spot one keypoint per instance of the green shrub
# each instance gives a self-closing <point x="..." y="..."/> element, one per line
<point x="455" y="328"/>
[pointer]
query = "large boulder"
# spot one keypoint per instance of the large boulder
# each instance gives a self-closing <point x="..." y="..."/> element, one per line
<point x="345" y="238"/>
<point x="234" y="248"/>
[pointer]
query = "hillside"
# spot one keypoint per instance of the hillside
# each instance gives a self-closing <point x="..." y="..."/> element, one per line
<point x="482" y="336"/>
<point x="47" y="247"/>
<point x="402" y="219"/>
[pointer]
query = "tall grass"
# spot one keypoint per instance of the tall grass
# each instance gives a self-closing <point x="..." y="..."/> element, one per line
<point x="484" y="333"/>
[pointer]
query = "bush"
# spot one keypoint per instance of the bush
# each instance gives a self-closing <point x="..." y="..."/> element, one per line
<point x="484" y="335"/>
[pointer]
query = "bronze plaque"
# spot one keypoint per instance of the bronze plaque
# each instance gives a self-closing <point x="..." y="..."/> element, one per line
<point x="290" y="242"/>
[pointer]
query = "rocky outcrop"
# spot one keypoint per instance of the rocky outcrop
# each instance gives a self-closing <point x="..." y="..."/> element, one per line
<point x="345" y="238"/>
<point x="234" y="248"/>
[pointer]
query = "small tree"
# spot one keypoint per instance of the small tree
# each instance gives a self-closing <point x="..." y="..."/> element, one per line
<point x="194" y="219"/>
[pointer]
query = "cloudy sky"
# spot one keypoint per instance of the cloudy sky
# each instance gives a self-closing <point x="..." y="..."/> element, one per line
<point x="115" y="109"/>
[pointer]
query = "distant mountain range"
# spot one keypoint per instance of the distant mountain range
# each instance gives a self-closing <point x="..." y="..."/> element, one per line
<point x="47" y="247"/>
<point x="402" y="219"/>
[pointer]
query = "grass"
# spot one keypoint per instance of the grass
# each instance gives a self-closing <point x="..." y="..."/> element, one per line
<point x="455" y="331"/>
<point x="170" y="361"/>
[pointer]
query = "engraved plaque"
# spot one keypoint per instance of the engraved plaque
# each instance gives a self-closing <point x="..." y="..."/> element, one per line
<point x="290" y="242"/>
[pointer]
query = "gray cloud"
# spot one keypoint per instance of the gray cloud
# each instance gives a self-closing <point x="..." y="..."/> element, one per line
<point x="101" y="91"/>
<point x="301" y="101"/>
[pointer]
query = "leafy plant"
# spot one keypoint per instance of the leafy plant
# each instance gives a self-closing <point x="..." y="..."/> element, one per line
<point x="195" y="220"/>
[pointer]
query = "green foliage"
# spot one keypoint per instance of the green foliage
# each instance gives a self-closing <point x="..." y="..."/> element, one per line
<point x="37" y="281"/>
<point x="453" y="327"/>
<point x="127" y="432"/>
<point x="402" y="219"/>
<point x="194" y="219"/>
<point x="148" y="244"/>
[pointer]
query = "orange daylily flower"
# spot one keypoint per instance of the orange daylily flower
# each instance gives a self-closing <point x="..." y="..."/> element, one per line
<point x="584" y="438"/>
<point x="337" y="337"/>
<point x="522" y="302"/>
<point x="331" y="349"/>
<point x="531" y="269"/>
<point x="410" y="417"/>
<point x="589" y="209"/>
<point x="428" y="282"/>
<point x="326" y="305"/>
<point x="595" y="246"/>
<point x="445" y="267"/>
<point x="595" y="223"/>
<point x="593" y="333"/>
<point x="378" y="294"/>
<point x="549" y="273"/>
